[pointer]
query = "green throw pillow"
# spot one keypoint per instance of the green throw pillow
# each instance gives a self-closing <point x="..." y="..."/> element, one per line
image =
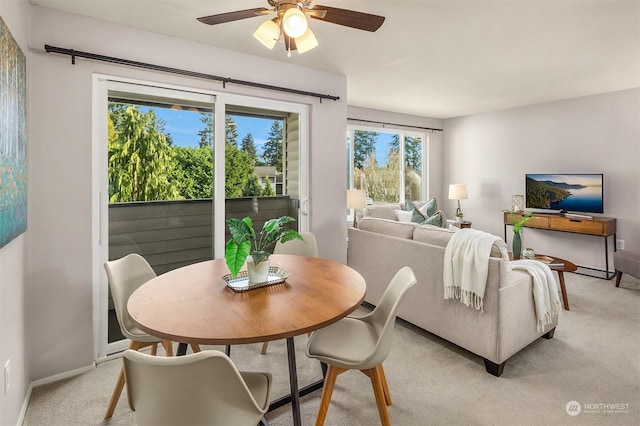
<point x="430" y="208"/>
<point x="427" y="208"/>
<point x="417" y="216"/>
<point x="437" y="219"/>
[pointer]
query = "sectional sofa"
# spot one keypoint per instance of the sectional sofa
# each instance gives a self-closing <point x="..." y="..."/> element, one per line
<point x="381" y="245"/>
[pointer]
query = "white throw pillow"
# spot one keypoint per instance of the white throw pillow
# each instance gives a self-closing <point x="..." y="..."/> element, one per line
<point x="403" y="216"/>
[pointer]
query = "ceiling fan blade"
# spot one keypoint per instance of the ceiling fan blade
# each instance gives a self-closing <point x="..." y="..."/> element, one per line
<point x="320" y="14"/>
<point x="349" y="18"/>
<point x="221" y="18"/>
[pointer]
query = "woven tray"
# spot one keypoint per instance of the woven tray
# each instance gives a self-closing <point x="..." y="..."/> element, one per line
<point x="241" y="281"/>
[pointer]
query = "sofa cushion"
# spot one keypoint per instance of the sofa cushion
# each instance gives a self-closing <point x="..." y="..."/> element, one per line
<point x="440" y="237"/>
<point x="382" y="211"/>
<point x="389" y="227"/>
<point x="433" y="235"/>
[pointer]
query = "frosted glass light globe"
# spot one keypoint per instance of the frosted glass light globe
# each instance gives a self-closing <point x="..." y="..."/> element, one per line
<point x="294" y="23"/>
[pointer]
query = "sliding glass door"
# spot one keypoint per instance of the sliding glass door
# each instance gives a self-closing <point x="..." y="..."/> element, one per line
<point x="158" y="200"/>
<point x="166" y="186"/>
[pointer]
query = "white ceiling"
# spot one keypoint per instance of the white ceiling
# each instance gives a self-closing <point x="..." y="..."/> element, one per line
<point x="437" y="59"/>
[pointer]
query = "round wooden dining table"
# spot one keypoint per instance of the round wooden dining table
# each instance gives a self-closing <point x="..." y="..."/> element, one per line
<point x="193" y="304"/>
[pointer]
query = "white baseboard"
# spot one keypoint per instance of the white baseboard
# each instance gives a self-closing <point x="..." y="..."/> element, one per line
<point x="62" y="376"/>
<point x="47" y="380"/>
<point x="65" y="375"/>
<point x="25" y="405"/>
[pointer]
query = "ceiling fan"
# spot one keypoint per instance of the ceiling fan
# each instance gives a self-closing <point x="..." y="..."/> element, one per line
<point x="291" y="22"/>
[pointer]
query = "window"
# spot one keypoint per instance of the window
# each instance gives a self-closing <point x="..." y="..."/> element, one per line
<point x="387" y="164"/>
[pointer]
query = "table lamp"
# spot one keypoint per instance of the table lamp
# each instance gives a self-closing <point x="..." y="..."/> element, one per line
<point x="356" y="199"/>
<point x="458" y="192"/>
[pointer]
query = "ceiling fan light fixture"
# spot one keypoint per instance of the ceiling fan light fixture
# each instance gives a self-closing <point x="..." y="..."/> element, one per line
<point x="268" y="33"/>
<point x="294" y="22"/>
<point x="306" y="41"/>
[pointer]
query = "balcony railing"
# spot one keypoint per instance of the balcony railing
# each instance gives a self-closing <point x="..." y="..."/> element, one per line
<point x="170" y="234"/>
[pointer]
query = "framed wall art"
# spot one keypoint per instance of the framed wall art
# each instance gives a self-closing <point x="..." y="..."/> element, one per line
<point x="13" y="137"/>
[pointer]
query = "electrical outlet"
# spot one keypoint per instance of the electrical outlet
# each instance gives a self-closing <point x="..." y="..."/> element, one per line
<point x="619" y="244"/>
<point x="7" y="376"/>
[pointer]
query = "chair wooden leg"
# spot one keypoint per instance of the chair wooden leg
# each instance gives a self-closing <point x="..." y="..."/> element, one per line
<point x="327" y="390"/>
<point x="618" y="278"/>
<point x="117" y="390"/>
<point x="195" y="347"/>
<point x="115" y="396"/>
<point x="385" y="386"/>
<point x="168" y="347"/>
<point x="376" y="382"/>
<point x="154" y="349"/>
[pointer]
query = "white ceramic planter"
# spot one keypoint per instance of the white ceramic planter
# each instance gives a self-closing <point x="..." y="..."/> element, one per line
<point x="257" y="273"/>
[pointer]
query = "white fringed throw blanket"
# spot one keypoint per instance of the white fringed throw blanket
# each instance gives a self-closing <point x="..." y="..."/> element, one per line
<point x="466" y="266"/>
<point x="545" y="290"/>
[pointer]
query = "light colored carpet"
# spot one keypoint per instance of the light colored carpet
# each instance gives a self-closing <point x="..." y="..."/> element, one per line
<point x="594" y="359"/>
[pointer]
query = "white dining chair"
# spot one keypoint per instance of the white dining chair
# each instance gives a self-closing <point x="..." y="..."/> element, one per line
<point x="361" y="343"/>
<point x="308" y="246"/>
<point x="125" y="275"/>
<point x="204" y="388"/>
<point x="305" y="247"/>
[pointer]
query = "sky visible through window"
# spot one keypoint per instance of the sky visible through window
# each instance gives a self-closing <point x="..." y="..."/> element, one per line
<point x="382" y="148"/>
<point x="184" y="125"/>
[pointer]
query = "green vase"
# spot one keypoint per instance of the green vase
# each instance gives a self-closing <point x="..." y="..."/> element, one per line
<point x="517" y="246"/>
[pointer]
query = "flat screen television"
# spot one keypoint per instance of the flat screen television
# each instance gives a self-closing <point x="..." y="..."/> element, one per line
<point x="561" y="193"/>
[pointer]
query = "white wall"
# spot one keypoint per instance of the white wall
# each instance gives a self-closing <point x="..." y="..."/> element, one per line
<point x="61" y="274"/>
<point x="14" y="343"/>
<point x="434" y="153"/>
<point x="595" y="134"/>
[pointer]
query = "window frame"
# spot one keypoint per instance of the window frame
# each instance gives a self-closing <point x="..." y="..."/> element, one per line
<point x="352" y="128"/>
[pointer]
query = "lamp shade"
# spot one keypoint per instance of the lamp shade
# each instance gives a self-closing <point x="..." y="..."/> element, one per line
<point x="356" y="199"/>
<point x="458" y="192"/>
<point x="268" y="33"/>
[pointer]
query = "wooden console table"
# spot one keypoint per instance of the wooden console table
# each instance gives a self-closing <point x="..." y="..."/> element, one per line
<point x="597" y="226"/>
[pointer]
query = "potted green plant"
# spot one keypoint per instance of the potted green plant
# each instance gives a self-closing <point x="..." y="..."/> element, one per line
<point x="246" y="242"/>
<point x="517" y="227"/>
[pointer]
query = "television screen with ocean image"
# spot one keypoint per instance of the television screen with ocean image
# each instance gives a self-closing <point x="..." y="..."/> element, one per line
<point x="565" y="192"/>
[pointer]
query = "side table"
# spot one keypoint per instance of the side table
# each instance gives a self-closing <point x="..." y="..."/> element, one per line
<point x="463" y="224"/>
<point x="561" y="266"/>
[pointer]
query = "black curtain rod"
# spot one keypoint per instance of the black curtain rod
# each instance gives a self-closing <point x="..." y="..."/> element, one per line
<point x="77" y="53"/>
<point x="395" y="124"/>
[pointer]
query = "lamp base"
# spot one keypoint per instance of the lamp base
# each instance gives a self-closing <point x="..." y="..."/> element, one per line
<point x="459" y="214"/>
